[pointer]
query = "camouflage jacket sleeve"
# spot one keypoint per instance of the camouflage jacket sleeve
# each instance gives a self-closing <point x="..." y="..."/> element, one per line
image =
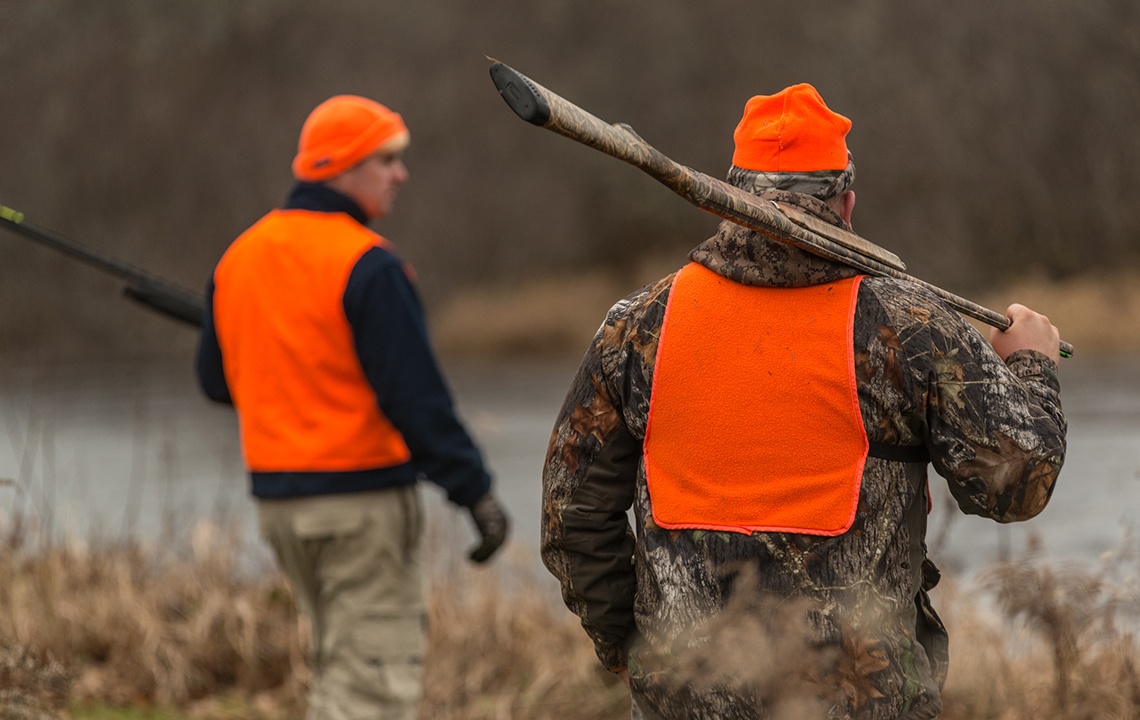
<point x="591" y="471"/>
<point x="995" y="430"/>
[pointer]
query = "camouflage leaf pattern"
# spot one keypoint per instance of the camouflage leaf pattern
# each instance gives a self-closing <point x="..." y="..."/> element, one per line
<point x="650" y="600"/>
<point x="818" y="183"/>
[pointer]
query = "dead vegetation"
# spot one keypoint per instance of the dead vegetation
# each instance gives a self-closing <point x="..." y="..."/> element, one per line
<point x="129" y="624"/>
<point x="992" y="141"/>
<point x="1099" y="313"/>
<point x="134" y="624"/>
<point x="1045" y="641"/>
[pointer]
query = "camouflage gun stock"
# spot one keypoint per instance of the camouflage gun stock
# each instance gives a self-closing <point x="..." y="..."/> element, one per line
<point x="539" y="106"/>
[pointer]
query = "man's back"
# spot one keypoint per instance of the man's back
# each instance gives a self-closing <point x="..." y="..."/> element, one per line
<point x="291" y="362"/>
<point x="866" y="635"/>
<point x="314" y="331"/>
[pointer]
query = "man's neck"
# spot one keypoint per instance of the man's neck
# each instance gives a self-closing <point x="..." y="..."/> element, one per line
<point x="319" y="197"/>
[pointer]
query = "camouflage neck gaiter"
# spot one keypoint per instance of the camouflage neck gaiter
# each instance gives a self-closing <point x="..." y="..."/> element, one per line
<point x="750" y="258"/>
<point x="821" y="184"/>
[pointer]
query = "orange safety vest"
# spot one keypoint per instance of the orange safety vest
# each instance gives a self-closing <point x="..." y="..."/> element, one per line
<point x="303" y="401"/>
<point x="754" y="422"/>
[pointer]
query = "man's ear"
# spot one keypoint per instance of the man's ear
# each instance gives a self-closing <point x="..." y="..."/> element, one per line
<point x="847" y="205"/>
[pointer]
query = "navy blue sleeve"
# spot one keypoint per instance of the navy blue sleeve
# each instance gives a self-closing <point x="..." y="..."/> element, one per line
<point x="392" y="342"/>
<point x="208" y="365"/>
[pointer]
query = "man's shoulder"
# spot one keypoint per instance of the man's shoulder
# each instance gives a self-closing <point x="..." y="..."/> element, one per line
<point x="633" y="324"/>
<point x="919" y="319"/>
<point x="314" y="231"/>
<point x="651" y="298"/>
<point x="378" y="270"/>
<point x="901" y="298"/>
<point x="378" y="258"/>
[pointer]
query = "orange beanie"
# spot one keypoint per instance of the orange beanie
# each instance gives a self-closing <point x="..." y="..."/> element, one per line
<point x="341" y="132"/>
<point x="791" y="131"/>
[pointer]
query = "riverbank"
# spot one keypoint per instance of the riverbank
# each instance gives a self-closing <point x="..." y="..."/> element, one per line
<point x="1099" y="314"/>
<point x="167" y="621"/>
<point x="129" y="629"/>
<point x="133" y="449"/>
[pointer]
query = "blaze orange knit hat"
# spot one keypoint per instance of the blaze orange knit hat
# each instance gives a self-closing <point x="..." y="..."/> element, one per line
<point x="791" y="131"/>
<point x="342" y="131"/>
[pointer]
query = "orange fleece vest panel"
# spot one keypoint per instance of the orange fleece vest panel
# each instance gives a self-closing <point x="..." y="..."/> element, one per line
<point x="303" y="402"/>
<point x="754" y="422"/>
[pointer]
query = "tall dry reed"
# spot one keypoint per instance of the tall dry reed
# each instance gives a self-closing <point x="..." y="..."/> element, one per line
<point x="1046" y="641"/>
<point x="129" y="623"/>
<point x="500" y="647"/>
<point x="137" y="624"/>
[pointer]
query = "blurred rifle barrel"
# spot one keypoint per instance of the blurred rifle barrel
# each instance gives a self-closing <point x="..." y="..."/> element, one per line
<point x="782" y="223"/>
<point x="156" y="293"/>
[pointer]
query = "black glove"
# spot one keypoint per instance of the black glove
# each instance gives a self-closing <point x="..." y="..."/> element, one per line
<point x="491" y="522"/>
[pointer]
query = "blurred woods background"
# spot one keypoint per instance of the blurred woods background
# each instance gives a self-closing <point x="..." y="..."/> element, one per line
<point x="993" y="139"/>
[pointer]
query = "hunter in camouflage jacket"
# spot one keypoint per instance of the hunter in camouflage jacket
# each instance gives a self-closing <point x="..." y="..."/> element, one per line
<point x="768" y="625"/>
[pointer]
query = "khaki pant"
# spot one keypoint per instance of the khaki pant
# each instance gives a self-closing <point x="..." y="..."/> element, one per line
<point x="354" y="563"/>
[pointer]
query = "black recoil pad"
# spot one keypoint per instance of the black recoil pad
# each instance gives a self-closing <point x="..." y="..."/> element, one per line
<point x="520" y="93"/>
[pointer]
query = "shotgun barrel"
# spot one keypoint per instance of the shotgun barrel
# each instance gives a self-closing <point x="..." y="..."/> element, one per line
<point x="539" y="106"/>
<point x="161" y="295"/>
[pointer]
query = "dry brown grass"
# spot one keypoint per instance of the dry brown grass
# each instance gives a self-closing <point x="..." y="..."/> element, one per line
<point x="1045" y="642"/>
<point x="138" y="625"/>
<point x="499" y="649"/>
<point x="133" y="624"/>
<point x="549" y="315"/>
<point x="115" y="130"/>
<point x="1098" y="314"/>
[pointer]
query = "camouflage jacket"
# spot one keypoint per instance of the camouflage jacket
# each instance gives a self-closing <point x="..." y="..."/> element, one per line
<point x="734" y="625"/>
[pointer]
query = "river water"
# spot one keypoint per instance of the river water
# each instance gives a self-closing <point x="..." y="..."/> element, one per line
<point x="129" y="450"/>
